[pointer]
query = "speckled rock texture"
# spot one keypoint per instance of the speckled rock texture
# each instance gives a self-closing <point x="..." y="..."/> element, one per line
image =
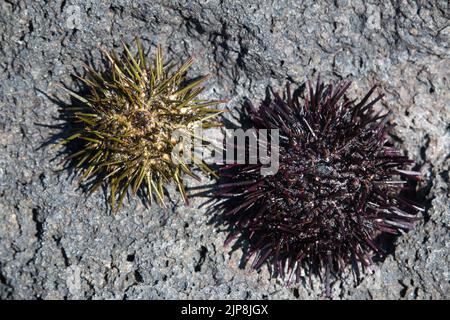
<point x="58" y="243"/>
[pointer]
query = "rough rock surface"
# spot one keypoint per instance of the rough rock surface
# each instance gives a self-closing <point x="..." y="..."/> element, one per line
<point x="55" y="242"/>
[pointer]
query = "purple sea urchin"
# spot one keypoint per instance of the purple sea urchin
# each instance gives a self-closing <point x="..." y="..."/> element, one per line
<point x="337" y="188"/>
<point x="126" y="119"/>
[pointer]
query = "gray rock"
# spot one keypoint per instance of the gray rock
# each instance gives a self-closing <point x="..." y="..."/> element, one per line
<point x="56" y="243"/>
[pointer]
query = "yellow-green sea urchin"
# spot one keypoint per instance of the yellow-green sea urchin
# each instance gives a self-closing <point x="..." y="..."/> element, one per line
<point x="125" y="120"/>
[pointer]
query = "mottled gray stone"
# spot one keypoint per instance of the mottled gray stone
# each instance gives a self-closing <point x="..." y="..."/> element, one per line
<point x="55" y="242"/>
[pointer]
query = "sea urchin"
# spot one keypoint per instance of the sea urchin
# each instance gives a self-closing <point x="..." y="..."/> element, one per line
<point x="125" y="120"/>
<point x="336" y="190"/>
